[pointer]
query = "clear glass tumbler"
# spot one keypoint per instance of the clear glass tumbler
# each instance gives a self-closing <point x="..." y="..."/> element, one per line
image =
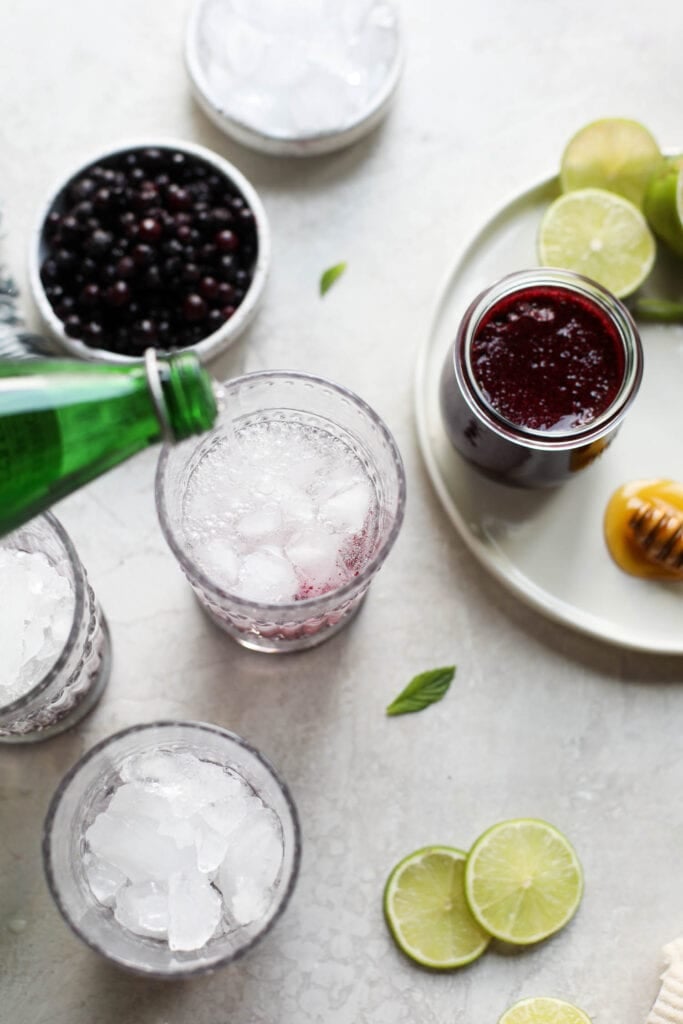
<point x="86" y="790"/>
<point x="73" y="684"/>
<point x="305" y="406"/>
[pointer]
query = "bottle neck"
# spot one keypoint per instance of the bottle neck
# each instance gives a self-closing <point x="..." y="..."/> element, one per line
<point x="182" y="394"/>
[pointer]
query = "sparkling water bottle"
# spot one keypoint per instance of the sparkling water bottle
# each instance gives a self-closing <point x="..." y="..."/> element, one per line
<point x="64" y="423"/>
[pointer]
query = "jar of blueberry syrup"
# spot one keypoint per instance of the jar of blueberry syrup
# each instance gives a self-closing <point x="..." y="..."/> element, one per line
<point x="544" y="366"/>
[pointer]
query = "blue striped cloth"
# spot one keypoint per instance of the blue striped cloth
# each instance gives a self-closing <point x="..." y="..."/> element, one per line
<point x="16" y="342"/>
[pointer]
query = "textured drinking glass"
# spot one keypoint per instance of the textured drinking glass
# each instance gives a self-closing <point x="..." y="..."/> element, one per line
<point x="77" y="678"/>
<point x="84" y="793"/>
<point x="303" y="403"/>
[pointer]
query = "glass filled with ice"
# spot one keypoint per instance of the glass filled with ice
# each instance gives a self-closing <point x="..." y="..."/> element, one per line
<point x="171" y="848"/>
<point x="54" y="643"/>
<point x="282" y="515"/>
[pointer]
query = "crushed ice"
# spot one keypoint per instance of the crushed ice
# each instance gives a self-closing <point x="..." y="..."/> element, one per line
<point x="280" y="511"/>
<point x="184" y="849"/>
<point x="36" y="612"/>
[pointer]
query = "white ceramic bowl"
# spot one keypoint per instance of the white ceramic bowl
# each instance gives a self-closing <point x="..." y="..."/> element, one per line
<point x="311" y="144"/>
<point x="213" y="344"/>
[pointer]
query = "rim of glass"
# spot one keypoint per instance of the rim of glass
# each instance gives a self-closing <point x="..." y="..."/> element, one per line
<point x="322" y="600"/>
<point x="80" y="584"/>
<point x="93" y="753"/>
<point x="568" y="281"/>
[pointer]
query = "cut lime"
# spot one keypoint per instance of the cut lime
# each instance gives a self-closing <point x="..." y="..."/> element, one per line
<point x="615" y="154"/>
<point x="523" y="880"/>
<point x="426" y="909"/>
<point x="600" y="235"/>
<point x="544" y="1010"/>
<point x="663" y="204"/>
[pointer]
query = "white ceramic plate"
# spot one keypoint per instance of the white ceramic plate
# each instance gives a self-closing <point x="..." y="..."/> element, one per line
<point x="547" y="546"/>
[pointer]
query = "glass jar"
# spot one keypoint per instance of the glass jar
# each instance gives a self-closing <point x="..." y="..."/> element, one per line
<point x="516" y="452"/>
<point x="74" y="682"/>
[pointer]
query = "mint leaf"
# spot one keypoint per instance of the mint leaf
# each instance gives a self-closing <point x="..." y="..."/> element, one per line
<point x="423" y="690"/>
<point x="331" y="275"/>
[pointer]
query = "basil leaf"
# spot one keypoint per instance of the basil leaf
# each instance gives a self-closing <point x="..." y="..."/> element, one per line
<point x="423" y="690"/>
<point x="331" y="275"/>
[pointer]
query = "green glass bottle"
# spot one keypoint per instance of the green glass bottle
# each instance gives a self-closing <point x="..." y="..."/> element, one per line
<point x="64" y="423"/>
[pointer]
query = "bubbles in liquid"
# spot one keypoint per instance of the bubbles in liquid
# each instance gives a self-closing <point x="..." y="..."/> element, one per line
<point x="280" y="511"/>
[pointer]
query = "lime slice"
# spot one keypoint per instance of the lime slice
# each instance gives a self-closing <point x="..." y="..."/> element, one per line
<point x="544" y="1010"/>
<point x="426" y="909"/>
<point x="600" y="235"/>
<point x="523" y="880"/>
<point x="615" y="154"/>
<point x="663" y="204"/>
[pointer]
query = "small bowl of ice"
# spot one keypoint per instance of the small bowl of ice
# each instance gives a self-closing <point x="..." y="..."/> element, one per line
<point x="171" y="848"/>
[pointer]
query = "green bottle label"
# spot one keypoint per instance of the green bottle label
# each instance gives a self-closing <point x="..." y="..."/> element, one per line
<point x="29" y="449"/>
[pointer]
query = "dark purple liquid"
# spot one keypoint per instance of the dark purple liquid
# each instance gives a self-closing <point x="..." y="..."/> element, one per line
<point x="548" y="359"/>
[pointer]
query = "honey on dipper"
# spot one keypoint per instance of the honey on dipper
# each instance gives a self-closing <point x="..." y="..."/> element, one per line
<point x="644" y="528"/>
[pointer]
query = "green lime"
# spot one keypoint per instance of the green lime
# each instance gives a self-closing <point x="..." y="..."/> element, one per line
<point x="523" y="880"/>
<point x="544" y="1010"/>
<point x="598" y="234"/>
<point x="663" y="204"/>
<point x="426" y="909"/>
<point x="615" y="154"/>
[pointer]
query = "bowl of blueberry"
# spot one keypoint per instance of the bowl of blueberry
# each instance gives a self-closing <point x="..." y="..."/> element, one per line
<point x="163" y="244"/>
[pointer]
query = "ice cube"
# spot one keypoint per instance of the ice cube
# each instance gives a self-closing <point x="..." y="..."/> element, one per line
<point x="267" y="576"/>
<point x="250" y="901"/>
<point x="219" y="560"/>
<point x="252" y="862"/>
<point x="296" y="506"/>
<point x="348" y="509"/>
<point x="218" y="783"/>
<point x="35" y="637"/>
<point x="135" y="800"/>
<point x="314" y="553"/>
<point x="104" y="879"/>
<point x="260" y="524"/>
<point x="144" y="909"/>
<point x="169" y="769"/>
<point x="194" y="910"/>
<point x="182" y="831"/>
<point x="210" y="846"/>
<point x="136" y="848"/>
<point x="225" y="816"/>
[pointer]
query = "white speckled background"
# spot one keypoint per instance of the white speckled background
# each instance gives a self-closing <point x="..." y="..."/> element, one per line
<point x="539" y="721"/>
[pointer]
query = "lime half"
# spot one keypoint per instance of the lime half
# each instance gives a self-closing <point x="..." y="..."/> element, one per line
<point x="426" y="909"/>
<point x="663" y="204"/>
<point x="523" y="880"/>
<point x="544" y="1010"/>
<point x="615" y="154"/>
<point x="600" y="235"/>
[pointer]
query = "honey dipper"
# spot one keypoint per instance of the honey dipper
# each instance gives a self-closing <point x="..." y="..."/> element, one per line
<point x="658" y="533"/>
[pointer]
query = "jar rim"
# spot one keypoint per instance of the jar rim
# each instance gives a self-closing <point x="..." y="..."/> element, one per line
<point x="570" y="282"/>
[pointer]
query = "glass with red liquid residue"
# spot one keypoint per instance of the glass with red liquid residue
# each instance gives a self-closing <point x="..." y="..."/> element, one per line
<point x="544" y="367"/>
<point x="283" y="514"/>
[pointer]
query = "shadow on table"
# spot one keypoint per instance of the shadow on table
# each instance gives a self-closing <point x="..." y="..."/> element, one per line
<point x="625" y="665"/>
<point x="113" y="996"/>
<point x="289" y="175"/>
